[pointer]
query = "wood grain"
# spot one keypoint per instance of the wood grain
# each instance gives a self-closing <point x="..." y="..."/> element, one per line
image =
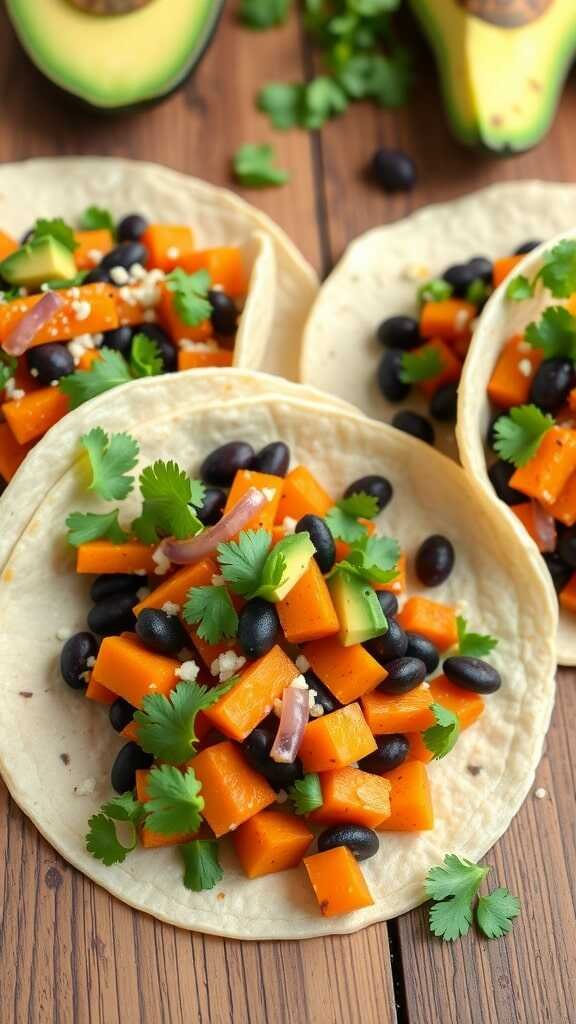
<point x="68" y="951"/>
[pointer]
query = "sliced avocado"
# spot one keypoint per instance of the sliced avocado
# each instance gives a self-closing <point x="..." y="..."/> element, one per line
<point x="502" y="66"/>
<point x="298" y="551"/>
<point x="358" y="609"/>
<point x="116" y="61"/>
<point x="43" y="259"/>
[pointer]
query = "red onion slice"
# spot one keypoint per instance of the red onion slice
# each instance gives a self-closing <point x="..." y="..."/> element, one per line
<point x="186" y="552"/>
<point x="23" y="334"/>
<point x="545" y="528"/>
<point x="293" y="721"/>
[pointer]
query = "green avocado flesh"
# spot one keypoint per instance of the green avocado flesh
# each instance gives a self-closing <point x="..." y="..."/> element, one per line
<point x="501" y="85"/>
<point x="358" y="609"/>
<point x="298" y="551"/>
<point x="44" y="259"/>
<point x="116" y="61"/>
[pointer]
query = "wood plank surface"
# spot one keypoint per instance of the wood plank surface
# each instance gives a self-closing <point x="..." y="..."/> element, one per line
<point x="68" y="951"/>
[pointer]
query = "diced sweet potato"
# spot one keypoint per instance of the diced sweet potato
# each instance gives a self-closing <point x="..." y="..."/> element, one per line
<point x="133" y="672"/>
<point x="307" y="612"/>
<point x="175" y="589"/>
<point x="448" y="319"/>
<point x="410" y="799"/>
<point x="243" y="481"/>
<point x="468" y="706"/>
<point x="12" y="454"/>
<point x="435" y="621"/>
<point x="336" y="740"/>
<point x="514" y="372"/>
<point x="271" y="841"/>
<point x="30" y="417"/>
<point x="233" y="792"/>
<point x="302" y="494"/>
<point x="348" y="672"/>
<point x="352" y="796"/>
<point x="101" y="556"/>
<point x="240" y="710"/>
<point x="546" y="474"/>
<point x="338" y="882"/>
<point x="406" y="712"/>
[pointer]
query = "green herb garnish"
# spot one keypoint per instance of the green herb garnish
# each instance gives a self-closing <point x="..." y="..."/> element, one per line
<point x="111" y="459"/>
<point x="95" y="218"/>
<point x="342" y="519"/>
<point x="102" y="841"/>
<point x="372" y="559"/>
<point x="254" y="167"/>
<point x="519" y="288"/>
<point x="56" y="228"/>
<point x="212" y="610"/>
<point x="420" y="365"/>
<point x="436" y="290"/>
<point x="191" y="300"/>
<point x="242" y="561"/>
<point x="453" y="886"/>
<point x="306" y="794"/>
<point x="259" y="14"/>
<point x="8" y="367"/>
<point x="555" y="333"/>
<point x="110" y="371"/>
<point x="519" y="435"/>
<point x="441" y="738"/>
<point x="473" y="645"/>
<point x="174" y="803"/>
<point x="86" y="526"/>
<point x="170" y="499"/>
<point x="558" y="272"/>
<point x="201" y="864"/>
<point x="166" y="725"/>
<point x="145" y="357"/>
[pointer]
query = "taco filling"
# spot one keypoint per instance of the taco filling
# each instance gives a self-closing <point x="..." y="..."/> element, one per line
<point x="254" y="640"/>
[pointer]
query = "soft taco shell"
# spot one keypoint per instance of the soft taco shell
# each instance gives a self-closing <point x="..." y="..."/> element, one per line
<point x="494" y="583"/>
<point x="374" y="280"/>
<point x="502" y="319"/>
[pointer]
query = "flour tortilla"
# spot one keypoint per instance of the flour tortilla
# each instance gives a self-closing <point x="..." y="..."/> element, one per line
<point x="282" y="286"/>
<point x="502" y="319"/>
<point x="494" y="583"/>
<point x="340" y="352"/>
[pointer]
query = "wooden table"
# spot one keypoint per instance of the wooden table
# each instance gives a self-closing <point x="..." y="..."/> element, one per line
<point x="71" y="953"/>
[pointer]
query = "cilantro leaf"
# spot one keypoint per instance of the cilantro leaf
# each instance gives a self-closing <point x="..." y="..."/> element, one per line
<point x="106" y="373"/>
<point x="86" y="526"/>
<point x="71" y="282"/>
<point x="323" y="99"/>
<point x="170" y="497"/>
<point x="478" y="292"/>
<point x="441" y="738"/>
<point x="191" y="300"/>
<point x="555" y="333"/>
<point x="8" y="367"/>
<point x="283" y="102"/>
<point x="306" y="794"/>
<point x="213" y="609"/>
<point x="473" y="645"/>
<point x="254" y="167"/>
<point x="436" y="290"/>
<point x="174" y="803"/>
<point x="145" y="357"/>
<point x="424" y="364"/>
<point x="201" y="864"/>
<point x="360" y="504"/>
<point x="123" y="808"/>
<point x="558" y="272"/>
<point x="386" y="79"/>
<point x="111" y="458"/>
<point x="450" y="919"/>
<point x="56" y="228"/>
<point x="519" y="288"/>
<point x="343" y="526"/>
<point x="453" y="886"/>
<point x="519" y="435"/>
<point x="259" y="14"/>
<point x="94" y="217"/>
<point x="274" y="570"/>
<point x="242" y="561"/>
<point x="373" y="559"/>
<point x="166" y="725"/>
<point x="496" y="912"/>
<point x="102" y="840"/>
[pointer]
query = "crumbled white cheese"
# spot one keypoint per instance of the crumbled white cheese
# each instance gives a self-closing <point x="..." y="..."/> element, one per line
<point x="146" y="292"/>
<point x="289" y="525"/>
<point x="277" y="707"/>
<point x="94" y="256"/>
<point x="64" y="633"/>
<point x="137" y="272"/>
<point x="85" y="788"/>
<point x="22" y="292"/>
<point x="91" y="661"/>
<point x="81" y="309"/>
<point x="140" y="572"/>
<point x="416" y="272"/>
<point x="302" y="663"/>
<point x="269" y="493"/>
<point x="227" y="665"/>
<point x="119" y="275"/>
<point x="540" y="793"/>
<point x="83" y="343"/>
<point x="525" y="367"/>
<point x="316" y="711"/>
<point x="548" y="498"/>
<point x="188" y="671"/>
<point x="75" y="292"/>
<point x="161" y="561"/>
<point x="13" y="394"/>
<point x="33" y="372"/>
<point x="171" y="608"/>
<point x="218" y="581"/>
<point x="187" y="345"/>
<point x="425" y="685"/>
<point x="173" y="252"/>
<point x="299" y="683"/>
<point x="142" y="593"/>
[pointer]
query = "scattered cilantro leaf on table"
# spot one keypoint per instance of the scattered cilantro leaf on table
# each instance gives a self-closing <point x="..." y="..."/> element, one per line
<point x="166" y="725"/>
<point x="259" y="14"/>
<point x="145" y="357"/>
<point x="322" y="99"/>
<point x="558" y="272"/>
<point x="306" y="794"/>
<point x="420" y="366"/>
<point x="201" y="864"/>
<point x="495" y="913"/>
<point x="385" y="79"/>
<point x="86" y="526"/>
<point x="555" y="333"/>
<point x="212" y="609"/>
<point x="453" y="886"/>
<point x="170" y="498"/>
<point x="441" y="738"/>
<point x="110" y="371"/>
<point x="372" y="559"/>
<point x="174" y="803"/>
<point x="94" y="218"/>
<point x="56" y="228"/>
<point x="102" y="840"/>
<point x="191" y="300"/>
<point x="111" y="458"/>
<point x="519" y="435"/>
<point x="254" y="167"/>
<point x="519" y="288"/>
<point x="242" y="561"/>
<point x="473" y="645"/>
<point x="283" y="102"/>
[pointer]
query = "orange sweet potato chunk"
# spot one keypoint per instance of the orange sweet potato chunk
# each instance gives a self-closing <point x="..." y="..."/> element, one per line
<point x="406" y="712"/>
<point x="410" y="799"/>
<point x="271" y="841"/>
<point x="466" y="705"/>
<point x="353" y="796"/>
<point x="133" y="672"/>
<point x="548" y="471"/>
<point x="336" y="740"/>
<point x="348" y="672"/>
<point x="243" y="481"/>
<point x="307" y="612"/>
<point x="101" y="556"/>
<point x="302" y="494"/>
<point x="149" y="839"/>
<point x="502" y="267"/>
<point x="175" y="589"/>
<point x="95" y="691"/>
<point x="200" y="360"/>
<point x="232" y="790"/>
<point x="12" y="454"/>
<point x="435" y="621"/>
<point x="449" y="319"/>
<point x="564" y="508"/>
<point x="30" y="417"/>
<point x="514" y="372"/>
<point x="338" y="882"/>
<point x="240" y="710"/>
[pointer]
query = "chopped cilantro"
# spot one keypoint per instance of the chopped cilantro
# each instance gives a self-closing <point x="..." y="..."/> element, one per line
<point x="360" y="504"/>
<point x="174" y="803"/>
<point x="212" y="608"/>
<point x="519" y="435"/>
<point x="145" y="357"/>
<point x="86" y="526"/>
<point x="555" y="333"/>
<point x="385" y="79"/>
<point x="342" y="520"/>
<point x="323" y="99"/>
<point x="436" y="290"/>
<point x="441" y="738"/>
<point x="106" y="373"/>
<point x="306" y="794"/>
<point x="191" y="300"/>
<point x="72" y="282"/>
<point x="254" y="167"/>
<point x="453" y="886"/>
<point x="201" y="864"/>
<point x="102" y="841"/>
<point x="274" y="570"/>
<point x="56" y="228"/>
<point x="94" y="218"/>
<point x="8" y="367"/>
<point x="110" y="458"/>
<point x="496" y="912"/>
<point x="372" y="559"/>
<point x="477" y="292"/>
<point x="421" y="365"/>
<point x="473" y="645"/>
<point x="166" y="725"/>
<point x="242" y="561"/>
<point x="558" y="272"/>
<point x="261" y="14"/>
<point x="519" y="288"/>
<point x="283" y="102"/>
<point x="170" y="497"/>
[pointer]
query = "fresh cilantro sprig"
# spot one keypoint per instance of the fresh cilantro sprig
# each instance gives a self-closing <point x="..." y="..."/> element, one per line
<point x="420" y="366"/>
<point x="473" y="645"/>
<point x="86" y="526"/>
<point x="453" y="886"/>
<point x="145" y="357"/>
<point x="306" y="794"/>
<point x="519" y="435"/>
<point x="441" y="738"/>
<point x="166" y="725"/>
<point x="56" y="228"/>
<point x="190" y="291"/>
<point x="201" y="864"/>
<point x="555" y="333"/>
<point x="259" y="14"/>
<point x="435" y="290"/>
<point x="174" y="802"/>
<point x="342" y="519"/>
<point x="110" y="371"/>
<point x="252" y="568"/>
<point x="478" y="292"/>
<point x="558" y="271"/>
<point x="94" y="218"/>
<point x="254" y="167"/>
<point x="212" y="610"/>
<point x="519" y="288"/>
<point x="110" y="458"/>
<point x="372" y="559"/>
<point x="170" y="498"/>
<point x="102" y="840"/>
<point x="8" y="367"/>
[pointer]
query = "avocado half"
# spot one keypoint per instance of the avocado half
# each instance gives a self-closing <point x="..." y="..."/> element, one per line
<point x="502" y="65"/>
<point x="115" y="62"/>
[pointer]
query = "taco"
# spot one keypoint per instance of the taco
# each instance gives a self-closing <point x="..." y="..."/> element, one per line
<point x="128" y="270"/>
<point x="316" y="586"/>
<point x="517" y="415"/>
<point x="391" y="325"/>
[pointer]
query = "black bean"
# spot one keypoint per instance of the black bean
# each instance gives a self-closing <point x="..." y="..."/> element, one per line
<point x="389" y="382"/>
<point x="444" y="403"/>
<point x="460" y="276"/>
<point x="120" y="340"/>
<point x="121" y="714"/>
<point x="472" y="674"/>
<point x="415" y="424"/>
<point x="323" y="696"/>
<point x="527" y="247"/>
<point x="321" y="538"/>
<point x="74" y="658"/>
<point x="161" y="632"/>
<point x="392" y="750"/>
<point x="434" y="560"/>
<point x="257" y="748"/>
<point x="125" y="255"/>
<point x="491" y="432"/>
<point x="392" y="644"/>
<point x="404" y="674"/>
<point x="258" y="627"/>
<point x="377" y="486"/>
<point x="567" y="547"/>
<point x="113" y="615"/>
<point x="49" y="362"/>
<point x="361" y="841"/>
<point x="552" y="383"/>
<point x="420" y="647"/>
<point x="212" y="507"/>
<point x="500" y="473"/>
<point x="394" y="170"/>
<point x="109" y="584"/>
<point x="388" y="602"/>
<point x="167" y="349"/>
<point x="559" y="571"/>
<point x="224" y="314"/>
<point x="482" y="268"/>
<point x="131" y="228"/>
<point x="274" y="458"/>
<point x="98" y="275"/>
<point x="400" y="332"/>
<point x="128" y="760"/>
<point x="221" y="466"/>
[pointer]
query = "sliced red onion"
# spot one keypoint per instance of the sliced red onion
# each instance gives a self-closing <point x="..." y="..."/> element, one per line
<point x="186" y="552"/>
<point x="293" y="721"/>
<point x="545" y="527"/>
<point x="23" y="334"/>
